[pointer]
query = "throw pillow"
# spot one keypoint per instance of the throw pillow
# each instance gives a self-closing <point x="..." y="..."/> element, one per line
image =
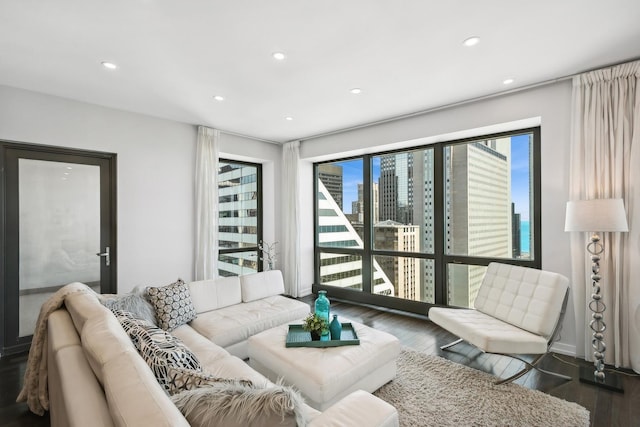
<point x="134" y="302"/>
<point x="172" y="304"/>
<point x="181" y="379"/>
<point x="159" y="349"/>
<point x="241" y="406"/>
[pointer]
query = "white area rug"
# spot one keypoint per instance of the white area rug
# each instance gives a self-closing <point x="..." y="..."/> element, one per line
<point x="432" y="391"/>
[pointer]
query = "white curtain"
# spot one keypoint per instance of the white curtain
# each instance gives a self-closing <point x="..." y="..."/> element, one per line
<point x="291" y="217"/>
<point x="206" y="254"/>
<point x="605" y="163"/>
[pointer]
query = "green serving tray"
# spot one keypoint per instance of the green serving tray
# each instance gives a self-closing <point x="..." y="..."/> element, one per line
<point x="298" y="337"/>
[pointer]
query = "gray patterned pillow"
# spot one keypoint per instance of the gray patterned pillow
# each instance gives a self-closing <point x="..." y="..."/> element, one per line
<point x="172" y="304"/>
<point x="157" y="347"/>
<point x="181" y="379"/>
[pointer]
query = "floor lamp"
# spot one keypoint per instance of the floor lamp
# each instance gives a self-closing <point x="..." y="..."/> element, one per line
<point x="595" y="216"/>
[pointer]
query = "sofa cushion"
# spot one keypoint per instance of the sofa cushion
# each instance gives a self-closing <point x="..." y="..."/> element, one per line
<point x="135" y="398"/>
<point x="215" y="360"/>
<point x="102" y="340"/>
<point x="82" y="306"/>
<point x="210" y="295"/>
<point x="261" y="285"/>
<point x="205" y="350"/>
<point x="173" y="305"/>
<point x="234" y="405"/>
<point x="159" y="349"/>
<point x="236" y="323"/>
<point x="181" y="379"/>
<point x="234" y="367"/>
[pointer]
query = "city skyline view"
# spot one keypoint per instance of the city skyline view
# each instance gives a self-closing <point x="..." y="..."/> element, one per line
<point x="520" y="171"/>
<point x="487" y="211"/>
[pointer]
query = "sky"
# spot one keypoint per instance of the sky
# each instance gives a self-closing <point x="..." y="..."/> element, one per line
<point x="520" y="175"/>
<point x="352" y="176"/>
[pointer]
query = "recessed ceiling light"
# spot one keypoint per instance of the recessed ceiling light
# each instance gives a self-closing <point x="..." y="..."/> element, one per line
<point x="507" y="81"/>
<point x="218" y="98"/>
<point x="471" y="41"/>
<point x="109" y="65"/>
<point x="356" y="90"/>
<point x="289" y="118"/>
<point x="279" y="56"/>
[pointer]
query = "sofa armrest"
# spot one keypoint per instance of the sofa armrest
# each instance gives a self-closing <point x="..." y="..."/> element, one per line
<point x="358" y="409"/>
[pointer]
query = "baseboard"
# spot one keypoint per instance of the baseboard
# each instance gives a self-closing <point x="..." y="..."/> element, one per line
<point x="303" y="292"/>
<point x="562" y="348"/>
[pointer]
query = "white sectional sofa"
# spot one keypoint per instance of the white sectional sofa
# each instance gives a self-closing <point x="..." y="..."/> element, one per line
<point x="232" y="309"/>
<point x="97" y="378"/>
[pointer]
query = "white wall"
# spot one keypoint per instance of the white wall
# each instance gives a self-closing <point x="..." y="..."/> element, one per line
<point x="155" y="167"/>
<point x="547" y="105"/>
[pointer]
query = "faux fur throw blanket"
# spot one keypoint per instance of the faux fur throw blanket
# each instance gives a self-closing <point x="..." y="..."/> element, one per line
<point x="34" y="389"/>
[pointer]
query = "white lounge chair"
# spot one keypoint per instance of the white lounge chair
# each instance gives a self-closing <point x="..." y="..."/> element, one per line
<point x="518" y="310"/>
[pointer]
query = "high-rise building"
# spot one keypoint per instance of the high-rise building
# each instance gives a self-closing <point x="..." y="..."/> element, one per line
<point x="238" y="218"/>
<point x="478" y="211"/>
<point x="403" y="271"/>
<point x="396" y="187"/>
<point x="357" y="207"/>
<point x="331" y="177"/>
<point x="515" y="232"/>
<point x="423" y="211"/>
<point x="335" y="230"/>
<point x="407" y="197"/>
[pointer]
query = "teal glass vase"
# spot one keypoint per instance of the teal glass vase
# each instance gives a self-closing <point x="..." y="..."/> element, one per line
<point x="335" y="327"/>
<point x="322" y="307"/>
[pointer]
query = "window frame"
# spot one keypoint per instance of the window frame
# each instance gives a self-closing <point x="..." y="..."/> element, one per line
<point x="259" y="218"/>
<point x="440" y="258"/>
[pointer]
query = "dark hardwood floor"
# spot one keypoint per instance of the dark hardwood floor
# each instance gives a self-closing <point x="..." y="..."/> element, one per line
<point x="14" y="414"/>
<point x="607" y="408"/>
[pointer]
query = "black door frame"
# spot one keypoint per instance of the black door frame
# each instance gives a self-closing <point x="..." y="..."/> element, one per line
<point x="10" y="150"/>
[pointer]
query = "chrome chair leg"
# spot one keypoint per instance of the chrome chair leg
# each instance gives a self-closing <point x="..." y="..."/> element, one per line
<point x="529" y="366"/>
<point x="448" y="346"/>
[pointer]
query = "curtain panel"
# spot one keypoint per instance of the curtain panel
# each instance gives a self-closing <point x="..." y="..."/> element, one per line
<point x="291" y="217"/>
<point x="206" y="189"/>
<point x="605" y="159"/>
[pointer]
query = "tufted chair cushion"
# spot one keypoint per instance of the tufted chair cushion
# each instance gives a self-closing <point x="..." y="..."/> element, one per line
<point x="524" y="297"/>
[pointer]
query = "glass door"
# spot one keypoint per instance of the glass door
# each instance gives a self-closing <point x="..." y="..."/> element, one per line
<point x="59" y="230"/>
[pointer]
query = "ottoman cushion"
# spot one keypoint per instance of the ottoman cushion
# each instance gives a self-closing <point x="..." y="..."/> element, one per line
<point x="325" y="375"/>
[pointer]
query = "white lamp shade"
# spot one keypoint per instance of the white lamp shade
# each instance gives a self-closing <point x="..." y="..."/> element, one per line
<point x="596" y="215"/>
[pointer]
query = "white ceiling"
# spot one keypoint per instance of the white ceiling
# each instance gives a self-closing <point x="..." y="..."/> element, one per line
<point x="405" y="55"/>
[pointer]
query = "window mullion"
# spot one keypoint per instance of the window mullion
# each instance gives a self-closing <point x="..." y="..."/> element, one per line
<point x="367" y="262"/>
<point x="439" y="213"/>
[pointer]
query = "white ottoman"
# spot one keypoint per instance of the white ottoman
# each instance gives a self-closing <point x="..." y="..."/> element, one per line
<point x="326" y="375"/>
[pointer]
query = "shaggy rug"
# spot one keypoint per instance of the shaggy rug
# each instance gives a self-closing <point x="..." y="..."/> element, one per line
<point x="432" y="391"/>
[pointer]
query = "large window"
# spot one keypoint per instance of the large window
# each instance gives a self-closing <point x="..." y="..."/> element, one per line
<point x="240" y="217"/>
<point x="412" y="228"/>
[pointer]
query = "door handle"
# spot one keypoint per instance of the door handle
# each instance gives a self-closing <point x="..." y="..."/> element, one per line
<point x="107" y="259"/>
